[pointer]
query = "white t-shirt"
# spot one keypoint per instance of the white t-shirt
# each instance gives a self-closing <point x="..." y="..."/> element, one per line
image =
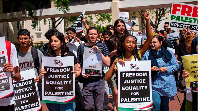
<point x="73" y="47"/>
<point x="14" y="62"/>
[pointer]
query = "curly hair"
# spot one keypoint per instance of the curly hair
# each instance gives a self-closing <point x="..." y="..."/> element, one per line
<point x="121" y="49"/>
<point x="64" y="47"/>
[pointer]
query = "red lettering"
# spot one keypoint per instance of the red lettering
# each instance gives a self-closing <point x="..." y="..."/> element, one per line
<point x="176" y="7"/>
<point x="186" y="9"/>
<point x="195" y="11"/>
<point x="2" y="75"/>
<point x="1" y="52"/>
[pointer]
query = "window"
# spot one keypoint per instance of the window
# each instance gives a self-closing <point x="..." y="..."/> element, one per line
<point x="38" y="27"/>
<point x="50" y="24"/>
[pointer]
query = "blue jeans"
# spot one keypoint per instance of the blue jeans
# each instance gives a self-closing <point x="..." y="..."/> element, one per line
<point x="61" y="107"/>
<point x="160" y="103"/>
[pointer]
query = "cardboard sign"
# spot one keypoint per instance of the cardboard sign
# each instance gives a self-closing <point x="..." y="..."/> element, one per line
<point x="92" y="62"/>
<point x="124" y="16"/>
<point x="184" y="15"/>
<point x="26" y="92"/>
<point x="134" y="85"/>
<point x="59" y="83"/>
<point x="6" y="88"/>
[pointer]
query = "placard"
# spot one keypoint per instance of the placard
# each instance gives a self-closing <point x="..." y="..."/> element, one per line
<point x="134" y="85"/>
<point x="58" y="83"/>
<point x="27" y="96"/>
<point x="92" y="62"/>
<point x="190" y="63"/>
<point x="6" y="88"/>
<point x="184" y="15"/>
<point x="78" y="24"/>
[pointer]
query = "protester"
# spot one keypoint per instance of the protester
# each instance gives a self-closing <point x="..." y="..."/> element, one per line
<point x="48" y="35"/>
<point x="12" y="66"/>
<point x="189" y="106"/>
<point x="106" y="35"/>
<point x="28" y="54"/>
<point x="93" y="86"/>
<point x="73" y="41"/>
<point x="164" y="64"/>
<point x="57" y="47"/>
<point x="127" y="49"/>
<point x="119" y="31"/>
<point x="111" y="28"/>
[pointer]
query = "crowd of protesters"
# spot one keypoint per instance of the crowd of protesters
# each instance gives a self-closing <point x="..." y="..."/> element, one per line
<point x="116" y="45"/>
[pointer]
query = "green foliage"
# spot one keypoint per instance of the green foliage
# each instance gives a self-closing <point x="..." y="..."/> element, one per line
<point x="27" y="5"/>
<point x="34" y="24"/>
<point x="101" y="28"/>
<point x="62" y="5"/>
<point x="73" y="18"/>
<point x="103" y="18"/>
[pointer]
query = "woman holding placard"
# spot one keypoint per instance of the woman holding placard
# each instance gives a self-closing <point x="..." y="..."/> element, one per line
<point x="57" y="48"/>
<point x="127" y="49"/>
<point x="164" y="64"/>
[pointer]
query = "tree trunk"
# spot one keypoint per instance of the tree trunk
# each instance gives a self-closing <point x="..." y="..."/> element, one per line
<point x="53" y="23"/>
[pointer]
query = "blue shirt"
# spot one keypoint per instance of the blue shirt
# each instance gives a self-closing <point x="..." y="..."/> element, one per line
<point x="165" y="83"/>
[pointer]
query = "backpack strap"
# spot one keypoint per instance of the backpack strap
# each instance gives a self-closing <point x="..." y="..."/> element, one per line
<point x="8" y="47"/>
<point x="34" y="54"/>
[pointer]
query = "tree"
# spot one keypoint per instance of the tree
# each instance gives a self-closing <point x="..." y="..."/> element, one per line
<point x="159" y="14"/>
<point x="10" y="6"/>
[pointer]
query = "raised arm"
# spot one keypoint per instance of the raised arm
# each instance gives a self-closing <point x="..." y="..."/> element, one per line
<point x="149" y="34"/>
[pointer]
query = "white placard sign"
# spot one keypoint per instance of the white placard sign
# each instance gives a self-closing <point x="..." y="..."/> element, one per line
<point x="92" y="62"/>
<point x="27" y="96"/>
<point x="6" y="88"/>
<point x="134" y="85"/>
<point x="58" y="84"/>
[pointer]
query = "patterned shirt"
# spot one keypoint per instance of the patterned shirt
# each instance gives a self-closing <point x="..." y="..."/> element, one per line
<point x="165" y="83"/>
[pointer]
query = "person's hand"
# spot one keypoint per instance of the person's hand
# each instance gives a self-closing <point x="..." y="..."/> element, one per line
<point x="77" y="73"/>
<point x="86" y="76"/>
<point x="37" y="80"/>
<point x="163" y="69"/>
<point x="95" y="47"/>
<point x="139" y="32"/>
<point x="154" y="68"/>
<point x="121" y="62"/>
<point x="8" y="67"/>
<point x="83" y="20"/>
<point x="114" y="52"/>
<point x="185" y="74"/>
<point x="66" y="39"/>
<point x="146" y="16"/>
<point x="78" y="40"/>
<point x="42" y="72"/>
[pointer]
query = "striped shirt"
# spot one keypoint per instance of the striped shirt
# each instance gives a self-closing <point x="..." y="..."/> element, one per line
<point x="101" y="46"/>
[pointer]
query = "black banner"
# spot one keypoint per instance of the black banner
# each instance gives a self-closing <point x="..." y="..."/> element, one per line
<point x="25" y="95"/>
<point x="182" y="25"/>
<point x="58" y="81"/>
<point x="134" y="87"/>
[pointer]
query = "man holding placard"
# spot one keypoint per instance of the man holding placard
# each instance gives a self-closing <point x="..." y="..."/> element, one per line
<point x="9" y="69"/>
<point x="29" y="63"/>
<point x="91" y="55"/>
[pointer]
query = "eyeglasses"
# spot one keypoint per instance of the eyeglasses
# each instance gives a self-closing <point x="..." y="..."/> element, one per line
<point x="26" y="38"/>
